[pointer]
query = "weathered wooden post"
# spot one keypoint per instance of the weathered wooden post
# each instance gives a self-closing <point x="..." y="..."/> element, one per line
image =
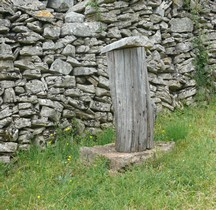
<point x="133" y="110"/>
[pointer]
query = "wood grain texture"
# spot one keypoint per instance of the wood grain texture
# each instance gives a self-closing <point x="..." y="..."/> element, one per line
<point x="131" y="99"/>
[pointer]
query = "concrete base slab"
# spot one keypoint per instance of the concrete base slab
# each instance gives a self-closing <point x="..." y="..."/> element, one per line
<point x="119" y="160"/>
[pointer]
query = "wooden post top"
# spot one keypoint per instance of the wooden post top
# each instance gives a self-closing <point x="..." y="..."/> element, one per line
<point x="128" y="42"/>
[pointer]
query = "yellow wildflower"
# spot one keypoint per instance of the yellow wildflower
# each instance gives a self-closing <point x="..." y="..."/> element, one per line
<point x="38" y="196"/>
<point x="69" y="158"/>
<point x="51" y="135"/>
<point x="90" y="137"/>
<point x="67" y="129"/>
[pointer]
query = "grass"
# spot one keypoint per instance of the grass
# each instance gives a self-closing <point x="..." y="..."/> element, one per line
<point x="182" y="179"/>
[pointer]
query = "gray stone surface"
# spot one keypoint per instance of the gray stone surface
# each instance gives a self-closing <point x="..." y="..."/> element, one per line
<point x="136" y="41"/>
<point x="8" y="147"/>
<point x="53" y="104"/>
<point x="81" y="30"/>
<point x="30" y="38"/>
<point x="52" y="32"/>
<point x="22" y="123"/>
<point x="82" y="71"/>
<point x="99" y="106"/>
<point x="9" y="96"/>
<point x="60" y="5"/>
<point x="34" y="86"/>
<point x="51" y="113"/>
<point x="31" y="51"/>
<point x="180" y="25"/>
<point x="73" y="17"/>
<point x="117" y="160"/>
<point x="61" y="66"/>
<point x="28" y="4"/>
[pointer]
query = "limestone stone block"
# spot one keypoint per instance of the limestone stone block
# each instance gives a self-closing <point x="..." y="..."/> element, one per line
<point x="5" y="25"/>
<point x="20" y="29"/>
<point x="92" y="123"/>
<point x="8" y="147"/>
<point x="48" y="45"/>
<point x="101" y="116"/>
<point x="75" y="92"/>
<point x="51" y="113"/>
<point x="53" y="104"/>
<point x="164" y="96"/>
<point x="31" y="51"/>
<point x="108" y="17"/>
<point x="84" y="71"/>
<point x="179" y="25"/>
<point x="77" y="104"/>
<point x="61" y="66"/>
<point x="66" y="82"/>
<point x="22" y="123"/>
<point x="114" y="33"/>
<point x="86" y="88"/>
<point x="99" y="106"/>
<point x="6" y="112"/>
<point x="56" y="91"/>
<point x="68" y="113"/>
<point x="28" y="99"/>
<point x="9" y="96"/>
<point x="82" y="49"/>
<point x="19" y="90"/>
<point x="6" y="64"/>
<point x="82" y="29"/>
<point x="73" y="17"/>
<point x="24" y="106"/>
<point x="129" y="42"/>
<point x="24" y="64"/>
<point x="106" y="125"/>
<point x="184" y="47"/>
<point x="79" y="7"/>
<point x="30" y="38"/>
<point x="83" y="115"/>
<point x="52" y="32"/>
<point x="41" y="122"/>
<point x="103" y="82"/>
<point x="174" y="85"/>
<point x="26" y="112"/>
<point x="63" y="42"/>
<point x="32" y="74"/>
<point x="29" y="4"/>
<point x="69" y="50"/>
<point x="102" y="92"/>
<point x="74" y="62"/>
<point x="35" y="86"/>
<point x="4" y="122"/>
<point x="10" y="73"/>
<point x="186" y="66"/>
<point x="186" y="93"/>
<point x="60" y="5"/>
<point x="35" y="26"/>
<point x="6" y="56"/>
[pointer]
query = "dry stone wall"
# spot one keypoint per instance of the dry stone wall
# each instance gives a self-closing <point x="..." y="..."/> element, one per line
<point x="51" y="68"/>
